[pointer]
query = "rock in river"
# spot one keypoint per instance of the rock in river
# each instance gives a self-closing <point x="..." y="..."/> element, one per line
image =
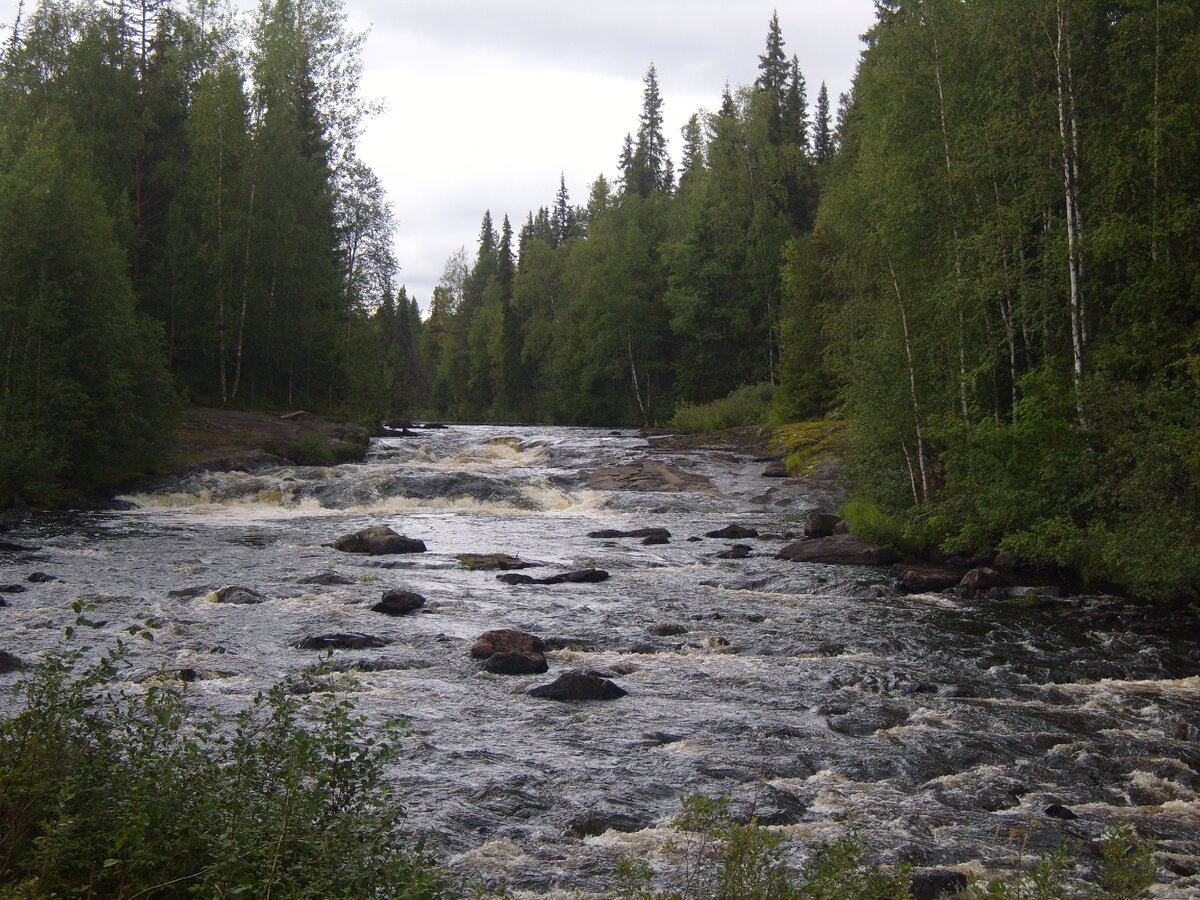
<point x="398" y="603"/>
<point x="238" y="596"/>
<point x="12" y="589"/>
<point x="776" y="468"/>
<point x="583" y="576"/>
<point x="343" y="641"/>
<point x="578" y="686"/>
<point x="918" y="580"/>
<point x="506" y="640"/>
<point x="486" y="561"/>
<point x="820" y="524"/>
<point x="983" y="579"/>
<point x="648" y="533"/>
<point x="10" y="663"/>
<point x="733" y="532"/>
<point x="327" y="578"/>
<point x="840" y="549"/>
<point x="516" y="662"/>
<point x="378" y="540"/>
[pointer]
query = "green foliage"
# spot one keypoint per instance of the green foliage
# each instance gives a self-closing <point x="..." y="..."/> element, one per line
<point x="113" y="791"/>
<point x="748" y="405"/>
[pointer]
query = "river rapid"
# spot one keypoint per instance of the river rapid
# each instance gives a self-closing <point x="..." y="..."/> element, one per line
<point x="815" y="696"/>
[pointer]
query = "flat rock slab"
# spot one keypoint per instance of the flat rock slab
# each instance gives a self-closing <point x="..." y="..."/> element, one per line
<point x="649" y="475"/>
<point x="378" y="540"/>
<point x="399" y="603"/>
<point x="344" y="641"/>
<point x="733" y="532"/>
<point x="506" y="640"/>
<point x="484" y="562"/>
<point x="925" y="579"/>
<point x="578" y="686"/>
<point x="840" y="549"/>
<point x="583" y="576"/>
<point x="648" y="533"/>
<point x="328" y="578"/>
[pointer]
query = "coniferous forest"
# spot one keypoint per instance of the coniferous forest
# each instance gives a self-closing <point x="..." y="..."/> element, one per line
<point x="985" y="258"/>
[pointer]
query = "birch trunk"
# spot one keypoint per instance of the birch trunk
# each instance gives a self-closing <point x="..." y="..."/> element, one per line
<point x="633" y="373"/>
<point x="912" y="381"/>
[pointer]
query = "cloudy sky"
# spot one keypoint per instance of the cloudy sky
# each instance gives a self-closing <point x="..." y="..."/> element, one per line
<point x="488" y="101"/>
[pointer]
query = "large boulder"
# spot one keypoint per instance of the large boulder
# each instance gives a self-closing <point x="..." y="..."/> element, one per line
<point x="583" y="576"/>
<point x="733" y="532"/>
<point x="820" y="524"/>
<point x="10" y="663"/>
<point x="506" y="640"/>
<point x="398" y="603"/>
<point x="924" y="580"/>
<point x="839" y="549"/>
<point x="342" y="641"/>
<point x="578" y="686"/>
<point x="776" y="468"/>
<point x="516" y="662"/>
<point x="983" y="578"/>
<point x="237" y="596"/>
<point x="378" y="540"/>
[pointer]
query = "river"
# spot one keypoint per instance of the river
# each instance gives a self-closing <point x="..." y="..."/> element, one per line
<point x="814" y="696"/>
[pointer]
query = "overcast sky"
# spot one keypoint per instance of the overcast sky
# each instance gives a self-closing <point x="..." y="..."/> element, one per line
<point x="488" y="101"/>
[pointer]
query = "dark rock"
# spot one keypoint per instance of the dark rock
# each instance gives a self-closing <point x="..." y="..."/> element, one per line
<point x="1007" y="561"/>
<point x="506" y="640"/>
<point x="933" y="884"/>
<point x="578" y="686"/>
<point x="579" y="645"/>
<point x="596" y="822"/>
<point x="733" y="532"/>
<point x="343" y="641"/>
<point x="925" y="580"/>
<point x="655" y="540"/>
<point x="668" y="629"/>
<point x="819" y="524"/>
<point x="433" y="426"/>
<point x="399" y="603"/>
<point x="13" y="589"/>
<point x="327" y="578"/>
<point x="840" y="549"/>
<point x="695" y="540"/>
<point x="10" y="547"/>
<point x="516" y="662"/>
<point x="485" y="562"/>
<point x="386" y="664"/>
<point x="983" y="579"/>
<point x="737" y="551"/>
<point x="614" y="434"/>
<point x="187" y="593"/>
<point x="842" y="527"/>
<point x="956" y="692"/>
<point x="10" y="663"/>
<point x="238" y="596"/>
<point x="3" y="603"/>
<point x="643" y="649"/>
<point x="647" y="533"/>
<point x="913" y="688"/>
<point x="583" y="576"/>
<point x="378" y="540"/>
<point x="775" y="469"/>
<point x="40" y="578"/>
<point x="1058" y="811"/>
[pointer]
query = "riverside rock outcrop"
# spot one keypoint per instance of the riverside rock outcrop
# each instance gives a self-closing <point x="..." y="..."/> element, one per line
<point x="839" y="549"/>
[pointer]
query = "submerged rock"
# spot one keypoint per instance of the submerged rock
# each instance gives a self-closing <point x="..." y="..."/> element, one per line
<point x="733" y="532"/>
<point x="41" y="578"/>
<point x="839" y="549"/>
<point x="342" y="641"/>
<point x="13" y="589"/>
<point x="516" y="662"/>
<point x="583" y="576"/>
<point x="578" y="686"/>
<point x="484" y="562"/>
<point x="668" y="629"/>
<point x="1058" y="811"/>
<point x="506" y="640"/>
<point x="648" y="475"/>
<point x="378" y="540"/>
<point x="238" y="596"/>
<point x="737" y="551"/>
<point x="10" y="547"/>
<point x="655" y="540"/>
<point x="327" y="578"/>
<point x="10" y="663"/>
<point x="398" y="603"/>
<point x="647" y="533"/>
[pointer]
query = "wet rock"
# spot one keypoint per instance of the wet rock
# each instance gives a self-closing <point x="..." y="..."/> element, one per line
<point x="969" y="559"/>
<point x="516" y="662"/>
<point x="327" y="578"/>
<point x="343" y="641"/>
<point x="506" y="640"/>
<point x="957" y="692"/>
<point x="188" y="593"/>
<point x="820" y="524"/>
<point x="485" y="562"/>
<point x="737" y="551"/>
<point x="1058" y="811"/>
<point x="378" y="540"/>
<point x="1008" y="561"/>
<point x="13" y="589"/>
<point x="582" y="576"/>
<point x="578" y="686"/>
<point x="238" y="596"/>
<point x="983" y="578"/>
<point x="387" y="664"/>
<point x="733" y="532"/>
<point x="933" y="884"/>
<point x="648" y="475"/>
<point x="577" y="645"/>
<point x="10" y="663"/>
<point x="839" y="549"/>
<point x="398" y="603"/>
<point x="41" y="578"/>
<point x="668" y="629"/>
<point x="695" y="540"/>
<point x="3" y="603"/>
<point x="643" y="649"/>
<point x="655" y="540"/>
<point x="10" y="547"/>
<point x="913" y="688"/>
<point x="647" y="533"/>
<point x="925" y="580"/>
<point x="776" y="468"/>
<point x="595" y="822"/>
<point x="842" y="527"/>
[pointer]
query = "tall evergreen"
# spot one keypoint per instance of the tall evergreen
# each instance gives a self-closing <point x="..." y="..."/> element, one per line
<point x="649" y="169"/>
<point x="823" y="130"/>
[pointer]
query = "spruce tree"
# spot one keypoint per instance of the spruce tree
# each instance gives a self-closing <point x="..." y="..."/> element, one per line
<point x="795" y="109"/>
<point x="649" y="169"/>
<point x="823" y="139"/>
<point x="773" y="78"/>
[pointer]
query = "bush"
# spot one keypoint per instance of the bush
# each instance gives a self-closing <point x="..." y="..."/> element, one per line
<point x="108" y="792"/>
<point x="748" y="405"/>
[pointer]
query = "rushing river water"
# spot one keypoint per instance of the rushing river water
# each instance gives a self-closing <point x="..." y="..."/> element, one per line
<point x="813" y="695"/>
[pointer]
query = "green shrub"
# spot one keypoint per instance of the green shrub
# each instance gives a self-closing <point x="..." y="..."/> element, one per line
<point x="107" y="791"/>
<point x="748" y="405"/>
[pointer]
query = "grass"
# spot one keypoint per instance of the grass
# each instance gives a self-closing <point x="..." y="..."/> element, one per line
<point x="748" y="405"/>
<point x="805" y="445"/>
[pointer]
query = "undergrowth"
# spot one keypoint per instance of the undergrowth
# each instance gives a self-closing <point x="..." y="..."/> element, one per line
<point x="747" y="405"/>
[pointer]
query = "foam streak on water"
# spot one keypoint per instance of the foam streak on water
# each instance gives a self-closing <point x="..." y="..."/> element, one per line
<point x="813" y="695"/>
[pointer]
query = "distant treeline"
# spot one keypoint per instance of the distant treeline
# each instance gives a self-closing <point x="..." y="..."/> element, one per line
<point x="989" y="264"/>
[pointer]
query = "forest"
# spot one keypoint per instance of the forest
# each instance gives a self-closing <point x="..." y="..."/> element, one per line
<point x="985" y="261"/>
